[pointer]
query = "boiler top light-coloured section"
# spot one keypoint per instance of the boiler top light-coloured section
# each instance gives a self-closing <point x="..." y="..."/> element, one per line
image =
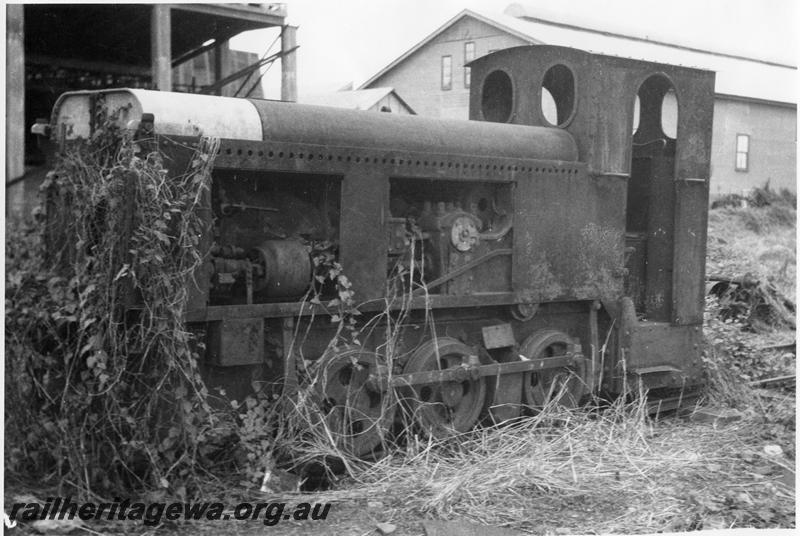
<point x="186" y="114"/>
<point x="175" y="114"/>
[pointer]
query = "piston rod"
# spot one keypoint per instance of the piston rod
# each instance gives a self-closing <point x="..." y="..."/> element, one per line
<point x="472" y="372"/>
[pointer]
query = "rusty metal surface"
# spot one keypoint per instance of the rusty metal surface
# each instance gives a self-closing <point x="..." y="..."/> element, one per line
<point x="693" y="157"/>
<point x="364" y="251"/>
<point x="498" y="336"/>
<point x="691" y="227"/>
<point x="236" y="341"/>
<point x="560" y="253"/>
<point x="671" y="185"/>
<point x="399" y="162"/>
<point x="325" y="127"/>
<point x="655" y="172"/>
<point x="273" y="310"/>
<point x="605" y="90"/>
<point x="507" y="214"/>
<point x="287" y="268"/>
<point x="660" y="344"/>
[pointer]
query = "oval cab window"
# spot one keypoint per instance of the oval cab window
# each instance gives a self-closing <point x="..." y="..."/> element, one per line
<point x="669" y="114"/>
<point x="558" y="95"/>
<point x="497" y="97"/>
<point x="637" y="110"/>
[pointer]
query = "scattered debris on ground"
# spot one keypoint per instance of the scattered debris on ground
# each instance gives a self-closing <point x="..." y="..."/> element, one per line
<point x="755" y="302"/>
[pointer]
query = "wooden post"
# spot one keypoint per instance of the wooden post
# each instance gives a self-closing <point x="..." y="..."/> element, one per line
<point x="161" y="46"/>
<point x="222" y="64"/>
<point x="289" y="64"/>
<point x="15" y="92"/>
<point x="15" y="107"/>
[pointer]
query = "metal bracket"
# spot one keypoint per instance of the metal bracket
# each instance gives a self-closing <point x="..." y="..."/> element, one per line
<point x="498" y="336"/>
<point x="41" y="128"/>
<point x="146" y="126"/>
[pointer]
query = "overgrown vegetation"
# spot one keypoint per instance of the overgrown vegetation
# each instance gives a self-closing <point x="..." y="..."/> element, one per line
<point x="757" y="241"/>
<point x="737" y="354"/>
<point x="754" y="247"/>
<point x="758" y="197"/>
<point x="99" y="399"/>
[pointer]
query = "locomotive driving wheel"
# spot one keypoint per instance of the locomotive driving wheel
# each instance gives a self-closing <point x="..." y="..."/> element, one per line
<point x="563" y="385"/>
<point x="356" y="412"/>
<point x="444" y="407"/>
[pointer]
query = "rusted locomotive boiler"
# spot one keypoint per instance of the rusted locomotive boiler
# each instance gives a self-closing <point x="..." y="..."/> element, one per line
<point x="538" y="258"/>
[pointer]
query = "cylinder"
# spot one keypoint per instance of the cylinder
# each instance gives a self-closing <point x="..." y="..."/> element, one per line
<point x="287" y="268"/>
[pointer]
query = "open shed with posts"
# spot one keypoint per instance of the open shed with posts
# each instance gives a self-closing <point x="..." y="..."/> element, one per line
<point x="53" y="48"/>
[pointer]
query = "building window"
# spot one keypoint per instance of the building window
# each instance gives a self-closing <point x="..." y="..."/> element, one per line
<point x="469" y="55"/>
<point x="742" y="152"/>
<point x="447" y="73"/>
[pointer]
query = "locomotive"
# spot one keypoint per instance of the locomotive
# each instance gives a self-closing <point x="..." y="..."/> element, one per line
<point x="539" y="259"/>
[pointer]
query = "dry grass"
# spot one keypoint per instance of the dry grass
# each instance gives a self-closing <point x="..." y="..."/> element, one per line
<point x="611" y="470"/>
<point x="757" y="240"/>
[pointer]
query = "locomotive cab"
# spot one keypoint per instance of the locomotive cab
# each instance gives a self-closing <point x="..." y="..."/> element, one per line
<point x="647" y="182"/>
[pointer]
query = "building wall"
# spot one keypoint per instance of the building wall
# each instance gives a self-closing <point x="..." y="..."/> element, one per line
<point x="772" y="127"/>
<point x="773" y="146"/>
<point x="418" y="79"/>
<point x="192" y="75"/>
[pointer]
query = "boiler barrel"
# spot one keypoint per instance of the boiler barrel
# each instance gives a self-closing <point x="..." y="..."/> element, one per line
<point x="182" y="114"/>
<point x="333" y="127"/>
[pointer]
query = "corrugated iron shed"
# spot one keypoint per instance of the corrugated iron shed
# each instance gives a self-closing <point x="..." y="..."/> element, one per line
<point x="737" y="76"/>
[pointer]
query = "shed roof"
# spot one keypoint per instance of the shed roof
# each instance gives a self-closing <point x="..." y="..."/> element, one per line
<point x="738" y="76"/>
<point x="117" y="36"/>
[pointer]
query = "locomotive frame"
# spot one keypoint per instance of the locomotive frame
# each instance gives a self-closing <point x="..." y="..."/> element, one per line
<point x="556" y="256"/>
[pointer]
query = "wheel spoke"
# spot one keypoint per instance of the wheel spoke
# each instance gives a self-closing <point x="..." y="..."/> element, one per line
<point x="357" y="417"/>
<point x="447" y="407"/>
<point x="565" y="385"/>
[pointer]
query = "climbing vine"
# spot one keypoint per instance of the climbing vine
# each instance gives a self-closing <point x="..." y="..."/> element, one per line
<point x="103" y="390"/>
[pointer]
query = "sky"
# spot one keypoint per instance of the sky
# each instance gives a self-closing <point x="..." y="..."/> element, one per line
<point x="347" y="41"/>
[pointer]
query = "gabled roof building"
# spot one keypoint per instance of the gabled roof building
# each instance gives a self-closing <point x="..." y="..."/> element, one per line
<point x="377" y="99"/>
<point x="755" y="111"/>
